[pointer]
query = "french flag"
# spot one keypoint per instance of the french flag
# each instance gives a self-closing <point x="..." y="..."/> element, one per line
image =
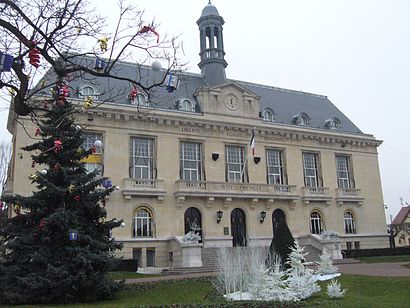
<point x="252" y="143"/>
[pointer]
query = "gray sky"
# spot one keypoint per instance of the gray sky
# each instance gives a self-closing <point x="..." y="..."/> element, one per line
<point x="356" y="52"/>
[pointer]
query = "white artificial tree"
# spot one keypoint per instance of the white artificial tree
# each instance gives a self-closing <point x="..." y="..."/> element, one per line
<point x="334" y="289"/>
<point x="300" y="279"/>
<point x="326" y="266"/>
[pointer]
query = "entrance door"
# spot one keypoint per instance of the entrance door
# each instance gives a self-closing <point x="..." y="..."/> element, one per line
<point x="277" y="216"/>
<point x="238" y="227"/>
<point x="192" y="219"/>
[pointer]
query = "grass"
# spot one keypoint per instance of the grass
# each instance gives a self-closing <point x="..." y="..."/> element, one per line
<point x="363" y="291"/>
<point x="128" y="275"/>
<point x="385" y="259"/>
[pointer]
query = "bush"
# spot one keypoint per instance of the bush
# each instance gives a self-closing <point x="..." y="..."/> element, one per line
<point x="377" y="252"/>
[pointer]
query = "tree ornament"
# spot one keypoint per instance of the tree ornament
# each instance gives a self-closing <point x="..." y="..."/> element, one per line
<point x="156" y="66"/>
<point x="56" y="168"/>
<point x="93" y="150"/>
<point x="20" y="155"/>
<point x="6" y="62"/>
<point x="17" y="208"/>
<point x="78" y="127"/>
<point x="88" y="103"/>
<point x="123" y="225"/>
<point x="63" y="92"/>
<point x="171" y="83"/>
<point x="43" y="172"/>
<point x="33" y="177"/>
<point x="71" y="188"/>
<point x="79" y="151"/>
<point x="58" y="146"/>
<point x="98" y="144"/>
<point x="34" y="55"/>
<point x="117" y="188"/>
<point x="147" y="29"/>
<point x="99" y="65"/>
<point x="43" y="83"/>
<point x="77" y="198"/>
<point x="38" y="132"/>
<point x="103" y="44"/>
<point x="42" y="224"/>
<point x="133" y="94"/>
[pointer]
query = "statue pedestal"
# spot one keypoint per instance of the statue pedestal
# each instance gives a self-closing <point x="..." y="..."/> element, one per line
<point x="191" y="255"/>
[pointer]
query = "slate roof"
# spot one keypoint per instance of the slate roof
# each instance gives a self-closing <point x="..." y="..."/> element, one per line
<point x="402" y="215"/>
<point x="284" y="103"/>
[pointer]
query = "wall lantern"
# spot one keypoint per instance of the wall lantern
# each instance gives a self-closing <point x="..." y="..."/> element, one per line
<point x="219" y="215"/>
<point x="215" y="156"/>
<point x="256" y="159"/>
<point x="90" y="116"/>
<point x="263" y="216"/>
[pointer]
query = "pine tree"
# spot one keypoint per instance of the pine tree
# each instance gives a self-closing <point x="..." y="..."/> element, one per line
<point x="40" y="263"/>
<point x="326" y="266"/>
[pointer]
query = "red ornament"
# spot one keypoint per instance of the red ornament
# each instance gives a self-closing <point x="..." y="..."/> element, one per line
<point x="93" y="149"/>
<point x="38" y="132"/>
<point x="58" y="146"/>
<point x="133" y="94"/>
<point x="56" y="168"/>
<point x="42" y="224"/>
<point x="33" y="164"/>
<point x="146" y="29"/>
<point x="77" y="198"/>
<point x="34" y="55"/>
<point x="63" y="92"/>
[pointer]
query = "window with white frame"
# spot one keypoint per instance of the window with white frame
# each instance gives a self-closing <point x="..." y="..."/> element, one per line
<point x="344" y="175"/>
<point x="315" y="223"/>
<point x="235" y="163"/>
<point x="268" y="116"/>
<point x="311" y="169"/>
<point x="89" y="140"/>
<point x="349" y="223"/>
<point x="191" y="161"/>
<point x="88" y="91"/>
<point x="274" y="164"/>
<point x="142" y="158"/>
<point x="142" y="224"/>
<point x="186" y="105"/>
<point x="142" y="100"/>
<point x="94" y="161"/>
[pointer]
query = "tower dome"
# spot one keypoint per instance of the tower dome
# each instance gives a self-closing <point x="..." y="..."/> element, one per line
<point x="212" y="52"/>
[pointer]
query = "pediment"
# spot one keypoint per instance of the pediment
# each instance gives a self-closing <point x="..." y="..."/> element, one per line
<point x="232" y="86"/>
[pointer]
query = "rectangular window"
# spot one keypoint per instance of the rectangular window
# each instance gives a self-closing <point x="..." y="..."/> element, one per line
<point x="349" y="245"/>
<point x="357" y="245"/>
<point x="311" y="169"/>
<point x="235" y="164"/>
<point x="274" y="164"/>
<point x="191" y="162"/>
<point x="93" y="161"/>
<point x="344" y="175"/>
<point x="142" y="158"/>
<point x="137" y="255"/>
<point x="150" y="257"/>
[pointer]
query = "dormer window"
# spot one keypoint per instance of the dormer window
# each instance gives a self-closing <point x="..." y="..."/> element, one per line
<point x="142" y="100"/>
<point x="186" y="105"/>
<point x="332" y="123"/>
<point x="301" y="119"/>
<point x="268" y="115"/>
<point x="88" y="91"/>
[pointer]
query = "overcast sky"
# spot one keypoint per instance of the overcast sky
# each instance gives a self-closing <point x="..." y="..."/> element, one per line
<point x="356" y="52"/>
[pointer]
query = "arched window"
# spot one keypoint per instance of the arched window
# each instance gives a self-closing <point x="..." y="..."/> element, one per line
<point x="315" y="223"/>
<point x="143" y="223"/>
<point x="349" y="222"/>
<point x="301" y="119"/>
<point x="142" y="100"/>
<point x="88" y="91"/>
<point x="333" y="123"/>
<point x="186" y="105"/>
<point x="268" y="116"/>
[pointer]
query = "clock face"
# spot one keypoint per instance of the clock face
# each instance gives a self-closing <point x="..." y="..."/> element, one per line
<point x="231" y="102"/>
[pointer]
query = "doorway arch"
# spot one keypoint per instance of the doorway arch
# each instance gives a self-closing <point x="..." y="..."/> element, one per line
<point x="238" y="228"/>
<point x="192" y="217"/>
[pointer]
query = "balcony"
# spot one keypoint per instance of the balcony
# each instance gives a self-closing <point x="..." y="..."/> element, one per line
<point x="143" y="188"/>
<point x="316" y="194"/>
<point x="234" y="190"/>
<point x="351" y="195"/>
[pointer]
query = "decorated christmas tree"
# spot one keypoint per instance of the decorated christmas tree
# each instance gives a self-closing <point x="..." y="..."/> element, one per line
<point x="57" y="244"/>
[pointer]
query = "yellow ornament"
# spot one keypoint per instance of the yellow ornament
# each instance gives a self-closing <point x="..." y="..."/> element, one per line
<point x="88" y="103"/>
<point x="103" y="43"/>
<point x="79" y="151"/>
<point x="33" y="177"/>
<point x="12" y="92"/>
<point x="43" y="83"/>
<point x="71" y="188"/>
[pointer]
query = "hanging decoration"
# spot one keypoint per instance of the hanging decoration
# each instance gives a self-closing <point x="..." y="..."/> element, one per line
<point x="146" y="29"/>
<point x="17" y="208"/>
<point x="71" y="188"/>
<point x="6" y="62"/>
<point x="33" y="177"/>
<point x="43" y="83"/>
<point x="93" y="149"/>
<point x="34" y="55"/>
<point x="38" y="132"/>
<point x="103" y="44"/>
<point x="63" y="92"/>
<point x="99" y="65"/>
<point x="79" y="151"/>
<point x="106" y="183"/>
<point x="98" y="144"/>
<point x="73" y="235"/>
<point x="171" y="83"/>
<point x="58" y="146"/>
<point x="88" y="102"/>
<point x="133" y="94"/>
<point x="42" y="224"/>
<point x="77" y="198"/>
<point x="43" y="172"/>
<point x="56" y="168"/>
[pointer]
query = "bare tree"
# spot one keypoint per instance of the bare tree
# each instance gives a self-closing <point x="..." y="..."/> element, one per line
<point x="59" y="34"/>
<point x="5" y="156"/>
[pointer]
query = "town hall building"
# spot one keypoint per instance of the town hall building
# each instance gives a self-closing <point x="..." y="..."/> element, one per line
<point x="184" y="160"/>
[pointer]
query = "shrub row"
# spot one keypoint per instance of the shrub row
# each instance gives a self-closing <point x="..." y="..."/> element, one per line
<point x="378" y="252"/>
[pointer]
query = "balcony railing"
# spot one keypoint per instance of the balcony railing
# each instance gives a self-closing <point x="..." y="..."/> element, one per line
<point x="320" y="194"/>
<point x="349" y="195"/>
<point x="232" y="190"/>
<point x="143" y="187"/>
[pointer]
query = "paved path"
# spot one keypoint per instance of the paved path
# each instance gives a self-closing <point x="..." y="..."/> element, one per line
<point x="395" y="269"/>
<point x="367" y="269"/>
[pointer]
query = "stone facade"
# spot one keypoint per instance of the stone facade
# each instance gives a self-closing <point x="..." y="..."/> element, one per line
<point x="229" y="114"/>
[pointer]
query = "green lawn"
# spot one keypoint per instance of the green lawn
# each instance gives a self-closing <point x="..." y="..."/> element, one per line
<point x="129" y="275"/>
<point x="363" y="291"/>
<point x="385" y="259"/>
